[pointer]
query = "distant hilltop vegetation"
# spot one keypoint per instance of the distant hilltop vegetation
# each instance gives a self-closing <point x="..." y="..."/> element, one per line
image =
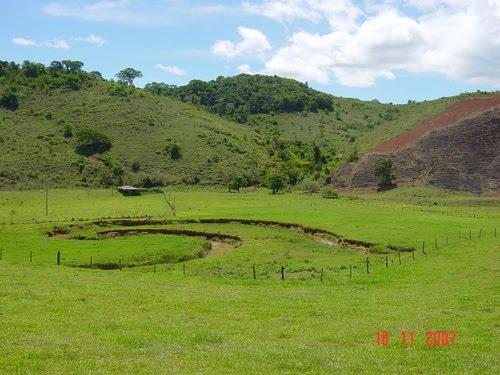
<point x="61" y="126"/>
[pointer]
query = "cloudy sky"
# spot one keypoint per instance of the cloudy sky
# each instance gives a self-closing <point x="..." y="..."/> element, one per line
<point x="391" y="50"/>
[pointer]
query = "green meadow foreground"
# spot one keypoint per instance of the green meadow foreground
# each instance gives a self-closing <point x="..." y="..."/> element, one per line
<point x="172" y="310"/>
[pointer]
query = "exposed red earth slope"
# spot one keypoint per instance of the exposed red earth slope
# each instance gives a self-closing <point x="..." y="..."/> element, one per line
<point x="451" y="116"/>
<point x="458" y="149"/>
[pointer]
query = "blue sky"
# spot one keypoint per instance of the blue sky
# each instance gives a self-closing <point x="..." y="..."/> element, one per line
<point x="391" y="50"/>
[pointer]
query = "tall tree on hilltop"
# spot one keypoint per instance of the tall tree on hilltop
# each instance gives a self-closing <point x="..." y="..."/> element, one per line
<point x="128" y="75"/>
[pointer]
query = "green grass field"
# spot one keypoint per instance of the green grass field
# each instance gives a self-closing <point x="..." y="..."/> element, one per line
<point x="210" y="316"/>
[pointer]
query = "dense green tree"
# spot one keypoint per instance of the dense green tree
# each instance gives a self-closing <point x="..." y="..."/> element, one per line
<point x="383" y="170"/>
<point x="276" y="182"/>
<point x="32" y="70"/>
<point x="236" y="183"/>
<point x="55" y="68"/>
<point x="128" y="75"/>
<point x="73" y="66"/>
<point x="66" y="73"/>
<point x="238" y="97"/>
<point x="161" y="88"/>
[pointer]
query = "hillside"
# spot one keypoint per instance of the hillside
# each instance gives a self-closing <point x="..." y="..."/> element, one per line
<point x="39" y="139"/>
<point x="296" y="121"/>
<point x="202" y="133"/>
<point x="457" y="149"/>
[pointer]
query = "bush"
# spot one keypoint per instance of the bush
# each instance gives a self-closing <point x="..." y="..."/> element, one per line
<point x="68" y="131"/>
<point x="173" y="150"/>
<point x="150" y="182"/>
<point x="329" y="193"/>
<point x="91" y="141"/>
<point x="310" y="186"/>
<point x="136" y="166"/>
<point x="9" y="100"/>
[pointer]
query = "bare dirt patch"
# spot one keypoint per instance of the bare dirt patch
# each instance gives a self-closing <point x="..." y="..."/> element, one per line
<point x="451" y="116"/>
<point x="462" y="156"/>
<point x="219" y="248"/>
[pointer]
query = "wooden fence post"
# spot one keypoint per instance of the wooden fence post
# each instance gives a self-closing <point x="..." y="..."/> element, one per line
<point x="31" y="256"/>
<point x="254" y="272"/>
<point x="386" y="261"/>
<point x="423" y="248"/>
<point x="58" y="258"/>
<point x="321" y="275"/>
<point x="367" y="265"/>
<point x="282" y="273"/>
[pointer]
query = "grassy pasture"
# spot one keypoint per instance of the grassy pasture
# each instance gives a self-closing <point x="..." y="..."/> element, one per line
<point x="58" y="319"/>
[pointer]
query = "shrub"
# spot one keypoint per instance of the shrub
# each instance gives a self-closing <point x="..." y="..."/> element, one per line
<point x="136" y="166"/>
<point x="173" y="150"/>
<point x="329" y="193"/>
<point x="68" y="131"/>
<point x="91" y="141"/>
<point x="310" y="186"/>
<point x="150" y="182"/>
<point x="9" y="100"/>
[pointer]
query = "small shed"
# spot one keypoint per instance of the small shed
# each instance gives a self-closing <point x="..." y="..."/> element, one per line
<point x="129" y="190"/>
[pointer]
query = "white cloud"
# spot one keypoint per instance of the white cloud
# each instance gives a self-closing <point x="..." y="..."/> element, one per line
<point x="171" y="69"/>
<point x="92" y="39"/>
<point x="283" y="10"/>
<point x="56" y="43"/>
<point x="253" y="42"/>
<point x="340" y="14"/>
<point x="24" y="42"/>
<point x="458" y="39"/>
<point x="245" y="68"/>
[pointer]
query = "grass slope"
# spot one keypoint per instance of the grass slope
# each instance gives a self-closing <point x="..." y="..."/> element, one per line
<point x="35" y="153"/>
<point x="69" y="320"/>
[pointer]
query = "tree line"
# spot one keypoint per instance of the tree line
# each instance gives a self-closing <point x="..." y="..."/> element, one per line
<point x="238" y="97"/>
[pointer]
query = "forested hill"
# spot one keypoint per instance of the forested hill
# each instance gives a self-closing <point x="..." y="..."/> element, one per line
<point x="237" y="97"/>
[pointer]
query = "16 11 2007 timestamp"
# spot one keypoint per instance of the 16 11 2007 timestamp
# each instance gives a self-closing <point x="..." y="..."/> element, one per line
<point x="407" y="338"/>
